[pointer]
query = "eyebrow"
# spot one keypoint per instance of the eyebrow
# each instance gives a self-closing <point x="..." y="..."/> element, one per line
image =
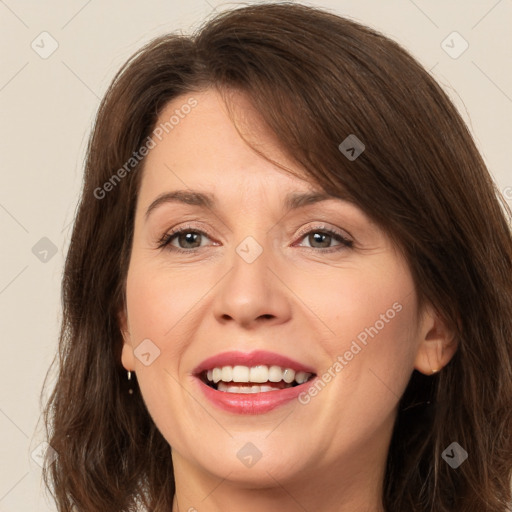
<point x="293" y="200"/>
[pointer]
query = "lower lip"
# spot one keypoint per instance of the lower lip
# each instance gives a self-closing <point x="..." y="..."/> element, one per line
<point x="252" y="403"/>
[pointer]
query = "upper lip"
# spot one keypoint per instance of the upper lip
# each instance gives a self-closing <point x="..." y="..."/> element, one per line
<point x="250" y="359"/>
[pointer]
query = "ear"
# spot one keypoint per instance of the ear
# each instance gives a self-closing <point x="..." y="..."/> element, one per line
<point x="127" y="356"/>
<point x="437" y="343"/>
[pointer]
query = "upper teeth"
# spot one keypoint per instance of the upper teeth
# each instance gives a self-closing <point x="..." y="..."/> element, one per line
<point x="260" y="373"/>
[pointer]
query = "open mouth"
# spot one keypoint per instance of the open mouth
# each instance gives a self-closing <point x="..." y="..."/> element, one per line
<point x="255" y="379"/>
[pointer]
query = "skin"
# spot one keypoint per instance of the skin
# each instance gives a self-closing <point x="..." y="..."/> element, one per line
<point x="295" y="299"/>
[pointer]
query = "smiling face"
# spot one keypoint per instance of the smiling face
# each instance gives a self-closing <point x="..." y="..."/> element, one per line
<point x="257" y="269"/>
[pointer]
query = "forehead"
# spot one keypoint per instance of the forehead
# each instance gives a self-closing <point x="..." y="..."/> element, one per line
<point x="204" y="147"/>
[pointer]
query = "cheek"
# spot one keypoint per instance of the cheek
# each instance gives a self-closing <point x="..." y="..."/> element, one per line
<point x="157" y="311"/>
<point x="372" y="331"/>
<point x="159" y="300"/>
<point x="369" y="360"/>
<point x="351" y="304"/>
<point x="157" y="308"/>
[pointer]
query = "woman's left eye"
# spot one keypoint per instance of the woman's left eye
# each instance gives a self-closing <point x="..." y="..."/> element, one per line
<point x="190" y="239"/>
<point x="324" y="237"/>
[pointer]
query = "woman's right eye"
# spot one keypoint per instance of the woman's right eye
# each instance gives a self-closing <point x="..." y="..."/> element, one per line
<point x="184" y="236"/>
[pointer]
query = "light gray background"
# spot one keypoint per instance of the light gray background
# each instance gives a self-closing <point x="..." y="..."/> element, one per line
<point x="48" y="106"/>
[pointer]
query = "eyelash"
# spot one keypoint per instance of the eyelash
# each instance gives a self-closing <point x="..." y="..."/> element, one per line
<point x="167" y="238"/>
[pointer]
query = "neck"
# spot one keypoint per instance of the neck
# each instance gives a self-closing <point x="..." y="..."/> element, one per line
<point x="343" y="488"/>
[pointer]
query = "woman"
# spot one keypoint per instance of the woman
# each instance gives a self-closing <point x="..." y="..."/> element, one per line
<point x="288" y="285"/>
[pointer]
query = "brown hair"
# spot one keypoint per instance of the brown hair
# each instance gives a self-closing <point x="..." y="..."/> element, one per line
<point x="315" y="78"/>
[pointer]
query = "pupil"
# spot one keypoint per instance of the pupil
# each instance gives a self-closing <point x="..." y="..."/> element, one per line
<point x="189" y="238"/>
<point x="319" y="236"/>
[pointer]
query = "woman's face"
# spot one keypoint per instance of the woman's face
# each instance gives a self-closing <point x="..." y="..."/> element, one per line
<point x="262" y="284"/>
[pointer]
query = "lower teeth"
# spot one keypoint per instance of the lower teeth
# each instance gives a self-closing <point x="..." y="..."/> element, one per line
<point x="263" y="388"/>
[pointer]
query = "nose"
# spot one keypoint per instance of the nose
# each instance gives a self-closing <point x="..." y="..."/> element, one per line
<point x="252" y="292"/>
